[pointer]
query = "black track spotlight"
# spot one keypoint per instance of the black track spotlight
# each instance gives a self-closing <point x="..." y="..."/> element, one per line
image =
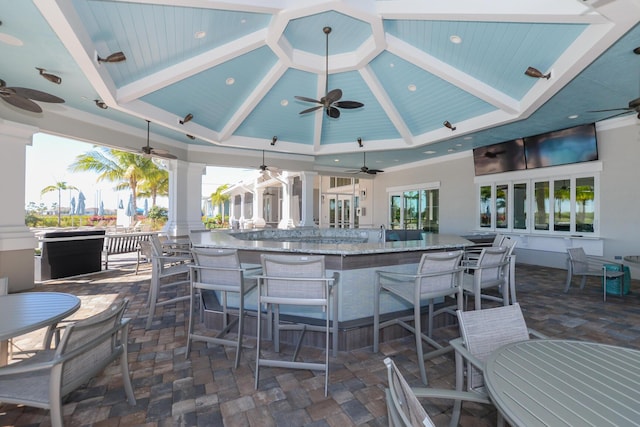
<point x="186" y="119"/>
<point x="273" y="140"/>
<point x="113" y="58"/>
<point x="637" y="50"/>
<point x="51" y="77"/>
<point x="448" y="125"/>
<point x="191" y="136"/>
<point x="101" y="104"/>
<point x="534" y="72"/>
<point x="359" y="142"/>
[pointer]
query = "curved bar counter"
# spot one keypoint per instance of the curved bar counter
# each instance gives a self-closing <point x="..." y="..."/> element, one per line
<point x="354" y="253"/>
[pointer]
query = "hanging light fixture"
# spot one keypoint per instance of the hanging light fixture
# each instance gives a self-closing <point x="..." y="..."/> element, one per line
<point x="448" y="125"/>
<point x="51" y="77"/>
<point x="534" y="72"/>
<point x="113" y="58"/>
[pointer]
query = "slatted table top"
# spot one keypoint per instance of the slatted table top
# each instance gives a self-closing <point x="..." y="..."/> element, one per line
<point x="565" y="383"/>
<point x="25" y="312"/>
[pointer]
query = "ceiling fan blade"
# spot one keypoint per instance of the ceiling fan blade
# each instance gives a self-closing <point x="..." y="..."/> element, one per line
<point x="333" y="112"/>
<point x="374" y="171"/>
<point x="37" y="95"/>
<point x="304" y="98"/>
<point x="348" y="104"/>
<point x="610" y="109"/>
<point x="333" y="96"/>
<point x="20" y="102"/>
<point x="162" y="153"/>
<point x="619" y="114"/>
<point x="308" y="110"/>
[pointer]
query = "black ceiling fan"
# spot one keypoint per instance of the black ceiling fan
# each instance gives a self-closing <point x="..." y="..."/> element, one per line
<point x="23" y="97"/>
<point x="263" y="167"/>
<point x="331" y="100"/>
<point x="634" y="106"/>
<point x="364" y="168"/>
<point x="149" y="151"/>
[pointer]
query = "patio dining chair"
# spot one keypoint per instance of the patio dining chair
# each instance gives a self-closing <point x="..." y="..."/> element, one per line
<point x="439" y="275"/>
<point x="581" y="264"/>
<point x="403" y="407"/>
<point x="87" y="347"/>
<point x="482" y="332"/>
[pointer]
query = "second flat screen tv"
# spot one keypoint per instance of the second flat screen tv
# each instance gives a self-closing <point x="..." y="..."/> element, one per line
<point x="561" y="147"/>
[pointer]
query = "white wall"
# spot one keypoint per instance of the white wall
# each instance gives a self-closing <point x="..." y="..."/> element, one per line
<point x="619" y="151"/>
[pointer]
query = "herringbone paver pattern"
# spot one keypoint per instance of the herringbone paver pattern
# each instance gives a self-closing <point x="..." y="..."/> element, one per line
<point x="205" y="390"/>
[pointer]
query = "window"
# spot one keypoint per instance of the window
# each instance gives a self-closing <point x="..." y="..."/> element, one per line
<point x="414" y="209"/>
<point x="564" y="204"/>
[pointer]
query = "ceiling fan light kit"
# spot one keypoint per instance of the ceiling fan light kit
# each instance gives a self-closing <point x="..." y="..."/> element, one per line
<point x="364" y="168"/>
<point x="331" y="100"/>
<point x="534" y="72"/>
<point x="51" y="77"/>
<point x="113" y="58"/>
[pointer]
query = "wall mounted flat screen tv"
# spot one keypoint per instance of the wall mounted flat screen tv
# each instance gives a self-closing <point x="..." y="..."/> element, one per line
<point x="503" y="157"/>
<point x="573" y="145"/>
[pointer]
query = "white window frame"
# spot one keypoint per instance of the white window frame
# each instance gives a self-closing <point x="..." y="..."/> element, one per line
<point x="530" y="177"/>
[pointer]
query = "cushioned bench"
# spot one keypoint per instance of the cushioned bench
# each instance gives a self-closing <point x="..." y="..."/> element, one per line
<point x="121" y="244"/>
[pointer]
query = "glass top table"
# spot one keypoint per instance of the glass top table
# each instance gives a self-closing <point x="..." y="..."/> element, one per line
<point x="565" y="383"/>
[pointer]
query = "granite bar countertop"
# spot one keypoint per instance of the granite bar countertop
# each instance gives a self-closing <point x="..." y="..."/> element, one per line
<point x="327" y="241"/>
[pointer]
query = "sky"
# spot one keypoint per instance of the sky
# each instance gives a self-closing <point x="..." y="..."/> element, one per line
<point x="48" y="160"/>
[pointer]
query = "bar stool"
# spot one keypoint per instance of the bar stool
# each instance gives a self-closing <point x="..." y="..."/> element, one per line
<point x="297" y="280"/>
<point x="219" y="270"/>
<point x="439" y="275"/>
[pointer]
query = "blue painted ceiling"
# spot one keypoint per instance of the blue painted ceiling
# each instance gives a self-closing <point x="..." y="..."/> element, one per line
<point x="237" y="65"/>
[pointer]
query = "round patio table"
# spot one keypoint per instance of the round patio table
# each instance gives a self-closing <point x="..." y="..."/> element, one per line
<point x="25" y="312"/>
<point x="565" y="383"/>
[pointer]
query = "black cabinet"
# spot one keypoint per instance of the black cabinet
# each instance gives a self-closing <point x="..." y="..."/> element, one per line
<point x="71" y="253"/>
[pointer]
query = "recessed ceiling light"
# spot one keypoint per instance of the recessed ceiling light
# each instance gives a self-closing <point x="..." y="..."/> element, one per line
<point x="336" y="160"/>
<point x="573" y="116"/>
<point x="412" y="87"/>
<point x="391" y="65"/>
<point x="458" y="145"/>
<point x="429" y="152"/>
<point x="243" y="21"/>
<point x="284" y="102"/>
<point x="455" y="39"/>
<point x="468" y="138"/>
<point x="451" y="150"/>
<point x="230" y="81"/>
<point x="200" y="34"/>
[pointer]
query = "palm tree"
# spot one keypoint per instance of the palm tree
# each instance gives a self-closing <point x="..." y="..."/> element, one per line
<point x="126" y="169"/>
<point x="217" y="198"/>
<point x="58" y="186"/>
<point x="155" y="184"/>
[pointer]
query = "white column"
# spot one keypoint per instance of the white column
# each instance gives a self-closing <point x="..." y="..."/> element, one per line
<point x="242" y="218"/>
<point x="285" y="221"/>
<point x="258" y="206"/>
<point x="185" y="196"/>
<point x="17" y="242"/>
<point x="306" y="216"/>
